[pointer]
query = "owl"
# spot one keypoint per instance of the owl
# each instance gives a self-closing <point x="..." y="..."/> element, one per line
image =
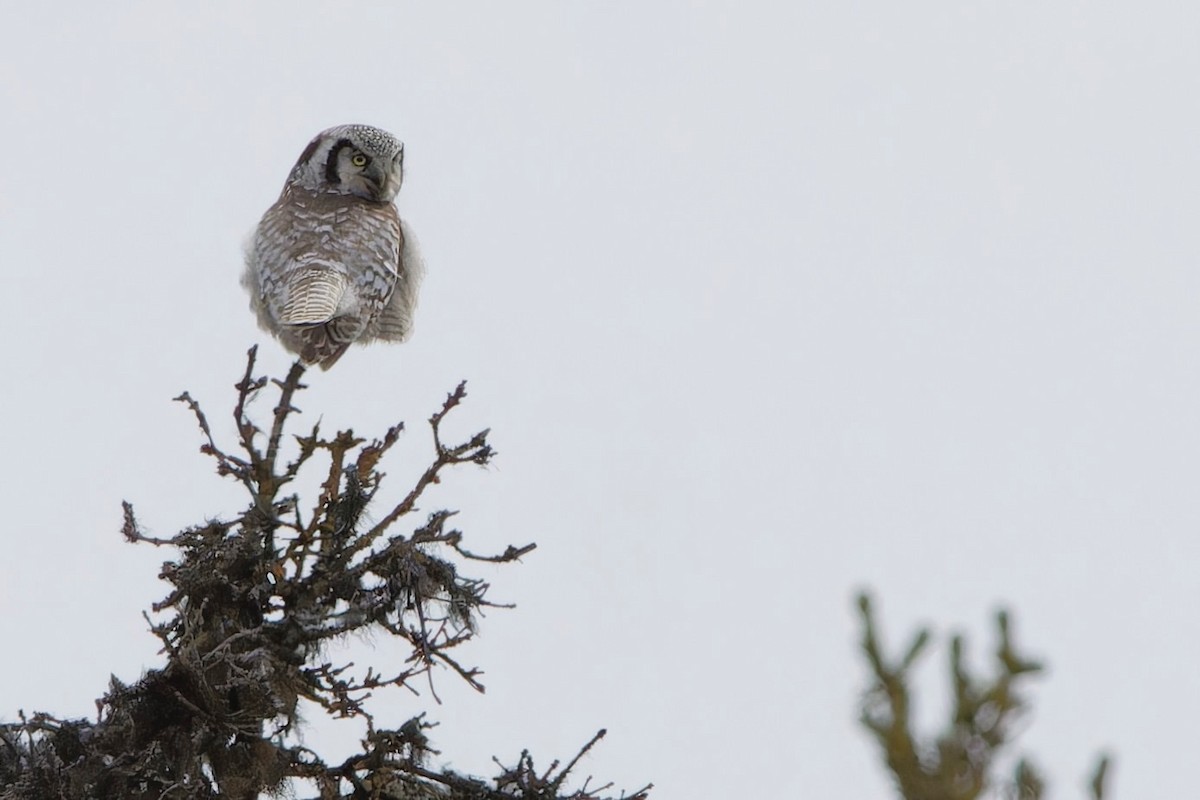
<point x="331" y="263"/>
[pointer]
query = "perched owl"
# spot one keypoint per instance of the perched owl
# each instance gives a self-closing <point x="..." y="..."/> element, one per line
<point x="332" y="263"/>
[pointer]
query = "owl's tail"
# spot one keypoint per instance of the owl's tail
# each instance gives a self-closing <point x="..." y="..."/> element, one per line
<point x="331" y="359"/>
<point x="324" y="344"/>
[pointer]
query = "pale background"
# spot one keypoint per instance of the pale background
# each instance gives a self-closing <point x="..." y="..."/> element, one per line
<point x="762" y="305"/>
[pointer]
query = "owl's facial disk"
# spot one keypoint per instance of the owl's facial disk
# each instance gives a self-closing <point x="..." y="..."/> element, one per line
<point x="368" y="176"/>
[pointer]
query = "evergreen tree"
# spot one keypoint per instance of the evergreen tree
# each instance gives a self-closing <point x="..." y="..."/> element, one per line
<point x="254" y="599"/>
<point x="959" y="763"/>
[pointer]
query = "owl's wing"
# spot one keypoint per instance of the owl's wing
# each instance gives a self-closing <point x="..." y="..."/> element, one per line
<point x="396" y="320"/>
<point x="313" y="296"/>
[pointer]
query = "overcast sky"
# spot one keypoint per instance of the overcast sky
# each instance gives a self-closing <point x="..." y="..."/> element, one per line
<point x="762" y="306"/>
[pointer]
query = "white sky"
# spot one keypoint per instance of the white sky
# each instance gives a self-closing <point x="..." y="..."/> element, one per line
<point x="761" y="306"/>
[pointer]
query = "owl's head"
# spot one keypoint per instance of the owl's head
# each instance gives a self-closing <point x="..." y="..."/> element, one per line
<point x="352" y="159"/>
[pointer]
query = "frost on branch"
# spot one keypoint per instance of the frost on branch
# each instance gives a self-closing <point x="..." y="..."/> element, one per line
<point x="254" y="599"/>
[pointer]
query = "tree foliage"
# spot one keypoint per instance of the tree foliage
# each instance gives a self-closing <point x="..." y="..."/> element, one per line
<point x="960" y="762"/>
<point x="254" y="599"/>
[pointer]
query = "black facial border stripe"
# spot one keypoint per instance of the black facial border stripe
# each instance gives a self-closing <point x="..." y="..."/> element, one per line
<point x="331" y="170"/>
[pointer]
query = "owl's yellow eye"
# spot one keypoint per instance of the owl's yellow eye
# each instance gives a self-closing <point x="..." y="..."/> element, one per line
<point x="358" y="160"/>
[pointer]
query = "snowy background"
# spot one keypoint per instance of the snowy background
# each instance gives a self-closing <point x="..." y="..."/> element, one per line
<point x="763" y="305"/>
